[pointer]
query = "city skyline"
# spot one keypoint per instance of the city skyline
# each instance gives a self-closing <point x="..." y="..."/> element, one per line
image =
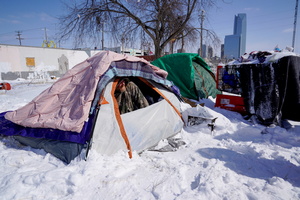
<point x="269" y="22"/>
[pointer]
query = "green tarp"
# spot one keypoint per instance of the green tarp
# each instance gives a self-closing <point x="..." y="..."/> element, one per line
<point x="190" y="73"/>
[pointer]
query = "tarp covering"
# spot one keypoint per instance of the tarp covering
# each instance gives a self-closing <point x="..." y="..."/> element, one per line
<point x="271" y="91"/>
<point x="65" y="151"/>
<point x="9" y="128"/>
<point x="190" y="73"/>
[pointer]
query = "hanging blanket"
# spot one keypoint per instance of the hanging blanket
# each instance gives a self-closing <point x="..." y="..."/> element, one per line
<point x="271" y="91"/>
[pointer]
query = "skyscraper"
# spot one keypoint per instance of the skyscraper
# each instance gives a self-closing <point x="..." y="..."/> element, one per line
<point x="204" y="51"/>
<point x="235" y="45"/>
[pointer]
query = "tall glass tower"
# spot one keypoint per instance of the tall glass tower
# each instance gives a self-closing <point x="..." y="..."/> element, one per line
<point x="235" y="45"/>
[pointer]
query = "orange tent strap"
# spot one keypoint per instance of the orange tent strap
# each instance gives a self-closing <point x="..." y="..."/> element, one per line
<point x="161" y="94"/>
<point x="118" y="117"/>
<point x="103" y="101"/>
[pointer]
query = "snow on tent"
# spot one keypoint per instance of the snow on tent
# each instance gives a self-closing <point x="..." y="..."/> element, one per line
<point x="81" y="105"/>
<point x="190" y="73"/>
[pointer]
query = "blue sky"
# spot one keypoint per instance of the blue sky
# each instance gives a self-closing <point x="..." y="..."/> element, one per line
<point x="269" y="22"/>
<point x="31" y="17"/>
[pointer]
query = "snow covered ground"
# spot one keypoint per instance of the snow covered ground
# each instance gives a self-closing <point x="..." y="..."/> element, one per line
<point x="235" y="161"/>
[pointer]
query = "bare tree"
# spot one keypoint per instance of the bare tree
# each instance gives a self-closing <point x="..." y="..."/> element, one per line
<point x="158" y="21"/>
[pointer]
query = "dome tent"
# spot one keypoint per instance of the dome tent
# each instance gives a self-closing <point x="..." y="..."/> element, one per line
<point x="80" y="109"/>
<point x="190" y="73"/>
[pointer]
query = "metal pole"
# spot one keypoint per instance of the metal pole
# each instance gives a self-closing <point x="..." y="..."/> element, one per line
<point x="102" y="36"/>
<point x="201" y="32"/>
<point x="295" y="24"/>
<point x="46" y="38"/>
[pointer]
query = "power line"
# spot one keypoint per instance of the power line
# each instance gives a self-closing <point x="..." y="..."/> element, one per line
<point x="8" y="33"/>
<point x="34" y="29"/>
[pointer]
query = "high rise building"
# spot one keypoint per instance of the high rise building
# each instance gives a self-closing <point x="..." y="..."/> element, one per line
<point x="232" y="46"/>
<point x="222" y="51"/>
<point x="235" y="45"/>
<point x="210" y="52"/>
<point x="204" y="51"/>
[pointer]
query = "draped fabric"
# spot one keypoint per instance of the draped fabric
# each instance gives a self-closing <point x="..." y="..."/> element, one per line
<point x="271" y="91"/>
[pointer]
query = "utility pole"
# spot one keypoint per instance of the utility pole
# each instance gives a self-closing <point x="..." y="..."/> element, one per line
<point x="182" y="43"/>
<point x="46" y="37"/>
<point x="122" y="40"/>
<point x="295" y="24"/>
<point x="19" y="37"/>
<point x="100" y="22"/>
<point x="102" y="40"/>
<point x="201" y="31"/>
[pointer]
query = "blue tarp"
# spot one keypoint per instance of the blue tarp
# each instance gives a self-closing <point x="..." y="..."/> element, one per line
<point x="9" y="128"/>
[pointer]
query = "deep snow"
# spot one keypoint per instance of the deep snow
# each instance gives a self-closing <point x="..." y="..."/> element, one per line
<point x="235" y="161"/>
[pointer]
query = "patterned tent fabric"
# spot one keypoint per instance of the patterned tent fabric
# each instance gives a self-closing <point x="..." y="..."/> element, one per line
<point x="66" y="104"/>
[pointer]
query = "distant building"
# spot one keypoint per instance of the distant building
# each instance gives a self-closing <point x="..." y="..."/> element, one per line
<point x="235" y="45"/>
<point x="37" y="63"/>
<point x="181" y="51"/>
<point x="204" y="51"/>
<point x="240" y="28"/>
<point x="129" y="51"/>
<point x="210" y="52"/>
<point x="222" y="51"/>
<point x="232" y="46"/>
